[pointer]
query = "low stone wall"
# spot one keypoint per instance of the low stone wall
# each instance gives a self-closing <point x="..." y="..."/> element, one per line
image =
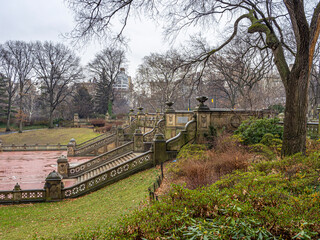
<point x="34" y="147"/>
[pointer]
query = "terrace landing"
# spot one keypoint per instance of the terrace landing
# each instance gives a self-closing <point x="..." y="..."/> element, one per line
<point x="30" y="169"/>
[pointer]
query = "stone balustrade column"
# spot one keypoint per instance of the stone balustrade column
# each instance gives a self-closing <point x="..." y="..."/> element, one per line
<point x="71" y="147"/>
<point x="120" y="136"/>
<point x="76" y="120"/>
<point x="17" y="195"/>
<point x="131" y="116"/>
<point x="203" y="119"/>
<point x="170" y="117"/>
<point x="138" y="141"/>
<point x="159" y="149"/>
<point x="63" y="166"/>
<point x="53" y="187"/>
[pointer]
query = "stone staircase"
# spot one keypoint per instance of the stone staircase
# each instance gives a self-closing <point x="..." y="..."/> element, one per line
<point x="106" y="166"/>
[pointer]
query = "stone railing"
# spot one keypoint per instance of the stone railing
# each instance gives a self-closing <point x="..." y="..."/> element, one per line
<point x="114" y="174"/>
<point x="159" y="128"/>
<point x="34" y="147"/>
<point x="92" y="140"/>
<point x="312" y="129"/>
<point x="99" y="160"/>
<point x="95" y="145"/>
<point x="22" y="196"/>
<point x="183" y="137"/>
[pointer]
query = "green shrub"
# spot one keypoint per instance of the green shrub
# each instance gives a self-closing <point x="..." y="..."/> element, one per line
<point x="252" y="131"/>
<point x="263" y="150"/>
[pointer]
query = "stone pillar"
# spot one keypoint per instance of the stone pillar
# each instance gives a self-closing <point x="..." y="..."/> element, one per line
<point x="53" y="187"/>
<point x="76" y="120"/>
<point x="17" y="193"/>
<point x="158" y="117"/>
<point x="138" y="141"/>
<point x="120" y="136"/>
<point x="170" y="117"/>
<point x="159" y="149"/>
<point x="131" y="116"/>
<point x="203" y="119"/>
<point x="63" y="166"/>
<point x="140" y="117"/>
<point x="71" y="147"/>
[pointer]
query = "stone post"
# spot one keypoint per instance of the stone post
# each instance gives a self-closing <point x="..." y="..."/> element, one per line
<point x="120" y="136"/>
<point x="53" y="187"/>
<point x="107" y="117"/>
<point x="138" y="141"/>
<point x="63" y="166"/>
<point x="131" y="116"/>
<point x="170" y="117"/>
<point x="76" y="120"/>
<point x="140" y="116"/>
<point x="158" y="117"/>
<point x="17" y="195"/>
<point x="71" y="147"/>
<point x="159" y="149"/>
<point x="203" y="119"/>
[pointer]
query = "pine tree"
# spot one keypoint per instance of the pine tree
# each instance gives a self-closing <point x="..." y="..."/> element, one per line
<point x="83" y="103"/>
<point x="103" y="94"/>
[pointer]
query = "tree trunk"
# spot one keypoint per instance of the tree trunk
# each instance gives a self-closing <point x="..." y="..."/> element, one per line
<point x="8" y="116"/>
<point x="51" y="119"/>
<point x="21" y="114"/>
<point x="295" y="121"/>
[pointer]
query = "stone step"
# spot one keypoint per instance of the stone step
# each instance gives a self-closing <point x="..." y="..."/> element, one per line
<point x="106" y="167"/>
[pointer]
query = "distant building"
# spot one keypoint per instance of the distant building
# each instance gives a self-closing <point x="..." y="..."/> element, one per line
<point x="123" y="90"/>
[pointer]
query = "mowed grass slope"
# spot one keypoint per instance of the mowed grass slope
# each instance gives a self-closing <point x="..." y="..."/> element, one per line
<point x="63" y="220"/>
<point x="50" y="136"/>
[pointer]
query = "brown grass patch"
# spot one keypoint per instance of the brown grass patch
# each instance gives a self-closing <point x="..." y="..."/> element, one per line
<point x="227" y="156"/>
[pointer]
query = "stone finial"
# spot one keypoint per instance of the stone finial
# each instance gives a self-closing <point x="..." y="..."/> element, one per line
<point x="17" y="187"/>
<point x="138" y="131"/>
<point x="54" y="176"/>
<point x="202" y="106"/>
<point x="140" y="110"/>
<point x="62" y="159"/>
<point x="73" y="141"/>
<point x="169" y="108"/>
<point x="53" y="186"/>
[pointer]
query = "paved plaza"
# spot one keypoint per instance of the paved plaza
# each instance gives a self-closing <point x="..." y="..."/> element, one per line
<point x="30" y="169"/>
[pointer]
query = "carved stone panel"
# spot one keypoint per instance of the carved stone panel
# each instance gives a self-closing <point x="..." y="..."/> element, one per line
<point x="203" y="121"/>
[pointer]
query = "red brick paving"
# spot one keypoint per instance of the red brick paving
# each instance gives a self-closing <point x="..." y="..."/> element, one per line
<point x="30" y="169"/>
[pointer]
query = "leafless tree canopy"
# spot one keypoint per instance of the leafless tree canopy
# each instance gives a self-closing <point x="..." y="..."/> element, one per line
<point x="56" y="68"/>
<point x="105" y="68"/>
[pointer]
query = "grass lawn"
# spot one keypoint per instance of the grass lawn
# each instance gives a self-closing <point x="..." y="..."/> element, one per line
<point x="62" y="220"/>
<point x="51" y="136"/>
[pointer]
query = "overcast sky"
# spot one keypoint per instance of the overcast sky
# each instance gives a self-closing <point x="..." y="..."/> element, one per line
<point x="31" y="20"/>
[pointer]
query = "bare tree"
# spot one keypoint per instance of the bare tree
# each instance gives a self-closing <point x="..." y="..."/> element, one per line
<point x="236" y="71"/>
<point x="265" y="20"/>
<point x="18" y="62"/>
<point x="57" y="68"/>
<point x="161" y="79"/>
<point x="105" y="68"/>
<point x="7" y="69"/>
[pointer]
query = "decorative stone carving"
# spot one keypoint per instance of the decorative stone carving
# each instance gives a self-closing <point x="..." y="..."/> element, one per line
<point x="53" y="186"/>
<point x="203" y="121"/>
<point x="63" y="166"/>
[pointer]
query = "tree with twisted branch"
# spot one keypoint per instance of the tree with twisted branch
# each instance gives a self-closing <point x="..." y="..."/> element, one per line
<point x="272" y="23"/>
